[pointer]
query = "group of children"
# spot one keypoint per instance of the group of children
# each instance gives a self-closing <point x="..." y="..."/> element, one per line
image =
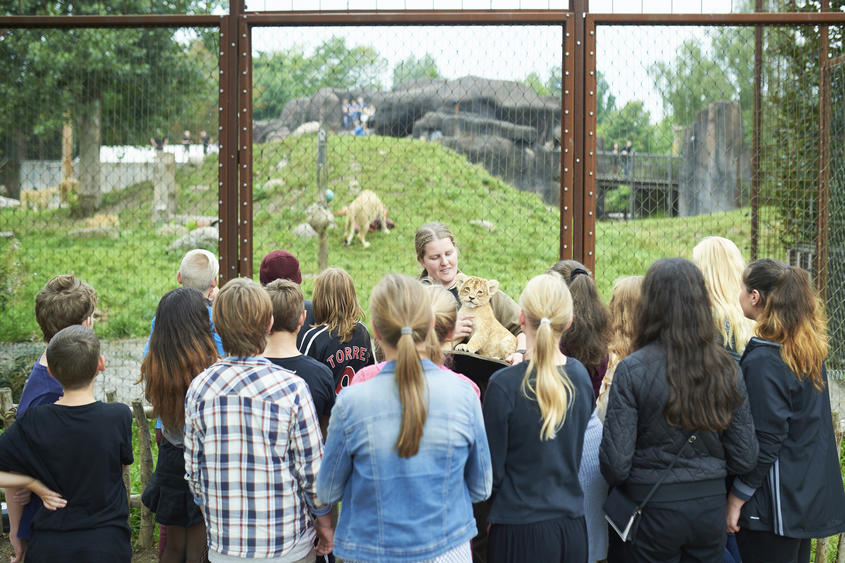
<point x="272" y="410"/>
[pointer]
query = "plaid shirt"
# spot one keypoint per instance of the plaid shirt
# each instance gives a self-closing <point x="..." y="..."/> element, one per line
<point x="252" y="452"/>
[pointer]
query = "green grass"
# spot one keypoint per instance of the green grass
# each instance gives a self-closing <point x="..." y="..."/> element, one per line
<point x="418" y="182"/>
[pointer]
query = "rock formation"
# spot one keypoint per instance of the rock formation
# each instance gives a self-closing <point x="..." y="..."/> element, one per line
<point x="716" y="161"/>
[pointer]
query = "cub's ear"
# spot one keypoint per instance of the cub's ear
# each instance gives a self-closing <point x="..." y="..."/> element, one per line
<point x="492" y="286"/>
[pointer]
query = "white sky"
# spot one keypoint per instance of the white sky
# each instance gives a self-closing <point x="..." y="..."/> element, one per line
<point x="504" y="52"/>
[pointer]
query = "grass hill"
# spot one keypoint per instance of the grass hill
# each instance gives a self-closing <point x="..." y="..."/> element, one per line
<point x="418" y="182"/>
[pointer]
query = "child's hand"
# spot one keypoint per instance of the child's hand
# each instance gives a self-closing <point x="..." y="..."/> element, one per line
<point x="51" y="499"/>
<point x="325" y="534"/>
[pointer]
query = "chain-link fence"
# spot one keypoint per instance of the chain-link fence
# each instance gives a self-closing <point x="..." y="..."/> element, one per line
<point x="456" y="124"/>
<point x="109" y="139"/>
<point x="107" y="158"/>
<point x="677" y="150"/>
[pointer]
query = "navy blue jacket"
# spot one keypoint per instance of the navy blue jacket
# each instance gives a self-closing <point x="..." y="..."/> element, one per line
<point x="795" y="490"/>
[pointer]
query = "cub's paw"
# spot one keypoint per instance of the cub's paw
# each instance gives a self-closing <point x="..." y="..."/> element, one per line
<point x="462" y="348"/>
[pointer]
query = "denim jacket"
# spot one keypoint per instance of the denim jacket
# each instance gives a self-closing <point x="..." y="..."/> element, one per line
<point x="405" y="509"/>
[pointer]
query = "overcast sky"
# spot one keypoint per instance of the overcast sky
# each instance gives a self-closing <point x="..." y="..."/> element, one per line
<point x="504" y="52"/>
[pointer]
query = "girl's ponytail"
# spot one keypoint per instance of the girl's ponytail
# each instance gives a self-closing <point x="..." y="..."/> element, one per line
<point x="401" y="312"/>
<point x="547" y="306"/>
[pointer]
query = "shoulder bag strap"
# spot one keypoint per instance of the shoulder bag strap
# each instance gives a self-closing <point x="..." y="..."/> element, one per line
<point x="690" y="440"/>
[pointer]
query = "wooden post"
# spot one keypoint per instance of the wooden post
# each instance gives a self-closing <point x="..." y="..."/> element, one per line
<point x="145" y="535"/>
<point x="322" y="181"/>
<point x="7" y="407"/>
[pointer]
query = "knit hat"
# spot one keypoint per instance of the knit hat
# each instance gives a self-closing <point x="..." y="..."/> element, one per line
<point x="279" y="265"/>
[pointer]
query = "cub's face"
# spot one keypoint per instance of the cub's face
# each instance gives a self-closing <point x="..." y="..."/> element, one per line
<point x="474" y="292"/>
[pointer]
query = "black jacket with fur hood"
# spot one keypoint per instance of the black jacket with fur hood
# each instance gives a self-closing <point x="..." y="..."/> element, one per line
<point x="795" y="487"/>
<point x="638" y="444"/>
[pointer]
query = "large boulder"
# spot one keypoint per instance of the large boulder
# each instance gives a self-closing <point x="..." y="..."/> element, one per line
<point x="324" y="107"/>
<point x="451" y="125"/>
<point x="715" y="161"/>
<point x="203" y="237"/>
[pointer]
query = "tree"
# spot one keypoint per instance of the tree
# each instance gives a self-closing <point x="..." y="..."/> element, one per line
<point x="605" y="101"/>
<point x="412" y="67"/>
<point x="551" y="86"/>
<point x="630" y="123"/>
<point x="690" y="83"/>
<point x="281" y="76"/>
<point x="117" y="84"/>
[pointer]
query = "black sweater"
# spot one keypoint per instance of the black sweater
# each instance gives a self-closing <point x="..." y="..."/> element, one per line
<point x="638" y="444"/>
<point x="795" y="487"/>
<point x="534" y="480"/>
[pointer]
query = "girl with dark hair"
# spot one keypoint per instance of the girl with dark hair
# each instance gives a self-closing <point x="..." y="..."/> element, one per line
<point x="181" y="346"/>
<point x="405" y="451"/>
<point x="588" y="338"/>
<point x="677" y="411"/>
<point x="794" y="490"/>
<point x="536" y="413"/>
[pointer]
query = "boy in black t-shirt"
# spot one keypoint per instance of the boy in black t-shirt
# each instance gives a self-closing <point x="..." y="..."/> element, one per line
<point x="74" y="448"/>
<point x="288" y="316"/>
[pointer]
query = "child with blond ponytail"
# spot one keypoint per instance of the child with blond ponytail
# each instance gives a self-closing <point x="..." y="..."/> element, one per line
<point x="536" y="413"/>
<point x="405" y="451"/>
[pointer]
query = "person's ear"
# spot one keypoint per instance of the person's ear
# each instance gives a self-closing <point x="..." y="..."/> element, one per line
<point x="755" y="298"/>
<point x="270" y="325"/>
<point x="522" y="319"/>
<point x="568" y="324"/>
<point x="301" y="320"/>
<point x="89" y="322"/>
<point x="377" y="334"/>
<point x="101" y="364"/>
<point x="179" y="277"/>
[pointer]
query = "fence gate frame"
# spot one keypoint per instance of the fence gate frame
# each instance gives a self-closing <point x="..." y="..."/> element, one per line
<point x="578" y="188"/>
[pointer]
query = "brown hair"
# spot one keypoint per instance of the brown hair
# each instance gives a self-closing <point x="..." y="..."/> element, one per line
<point x="241" y="314"/>
<point x="428" y="233"/>
<point x="445" y="310"/>
<point x="73" y="355"/>
<point x="623" y="313"/>
<point x="64" y="301"/>
<point x="792" y="316"/>
<point x="547" y="306"/>
<point x="288" y="304"/>
<point x="181" y="346"/>
<point x="335" y="303"/>
<point x="401" y="311"/>
<point x="674" y="313"/>
<point x="588" y="337"/>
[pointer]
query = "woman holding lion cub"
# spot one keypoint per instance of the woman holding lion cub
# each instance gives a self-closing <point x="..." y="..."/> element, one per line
<point x="437" y="253"/>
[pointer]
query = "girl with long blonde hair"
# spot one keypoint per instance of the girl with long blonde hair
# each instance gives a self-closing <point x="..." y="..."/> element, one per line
<point x="722" y="265"/>
<point x="405" y="451"/>
<point x="794" y="491"/>
<point x="536" y="413"/>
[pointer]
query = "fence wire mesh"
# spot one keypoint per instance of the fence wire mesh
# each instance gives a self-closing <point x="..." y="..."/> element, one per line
<point x="107" y="157"/>
<point x="682" y="98"/>
<point x="453" y="124"/>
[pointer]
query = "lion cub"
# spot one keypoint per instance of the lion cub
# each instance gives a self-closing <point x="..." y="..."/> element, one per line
<point x="489" y="337"/>
<point x="363" y="210"/>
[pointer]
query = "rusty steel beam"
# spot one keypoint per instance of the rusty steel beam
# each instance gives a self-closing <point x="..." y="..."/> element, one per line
<point x="245" y="151"/>
<point x="751" y="18"/>
<point x="567" y="142"/>
<point x="757" y="128"/>
<point x="578" y="111"/>
<point x="115" y="21"/>
<point x="227" y="132"/>
<point x="588" y="232"/>
<point x="407" y="17"/>
<point x="823" y="219"/>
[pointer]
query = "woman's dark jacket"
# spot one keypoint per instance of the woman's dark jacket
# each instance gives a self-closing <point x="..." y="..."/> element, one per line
<point x="638" y="444"/>
<point x="795" y="488"/>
